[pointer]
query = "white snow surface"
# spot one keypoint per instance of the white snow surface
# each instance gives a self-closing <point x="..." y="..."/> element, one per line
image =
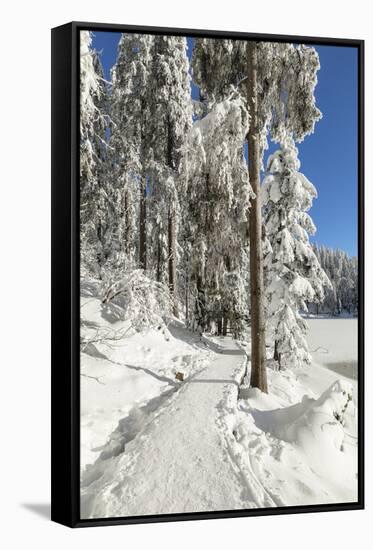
<point x="120" y="377"/>
<point x="151" y="444"/>
<point x="291" y="440"/>
<point x="179" y="461"/>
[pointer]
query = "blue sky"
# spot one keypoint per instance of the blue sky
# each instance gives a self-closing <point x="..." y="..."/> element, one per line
<point x="329" y="156"/>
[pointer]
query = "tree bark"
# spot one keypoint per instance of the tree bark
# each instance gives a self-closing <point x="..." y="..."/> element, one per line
<point x="171" y="258"/>
<point x="219" y="325"/>
<point x="201" y="303"/>
<point x="225" y="326"/>
<point x="126" y="224"/>
<point x="275" y="353"/>
<point x="171" y="225"/>
<point x="258" y="377"/>
<point x="158" y="275"/>
<point x="187" y="300"/>
<point x="142" y="246"/>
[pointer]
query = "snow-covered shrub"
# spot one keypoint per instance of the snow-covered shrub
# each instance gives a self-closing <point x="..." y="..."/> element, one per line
<point x="146" y="303"/>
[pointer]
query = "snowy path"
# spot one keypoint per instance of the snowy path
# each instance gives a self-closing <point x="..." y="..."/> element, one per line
<point x="194" y="447"/>
<point x="179" y="462"/>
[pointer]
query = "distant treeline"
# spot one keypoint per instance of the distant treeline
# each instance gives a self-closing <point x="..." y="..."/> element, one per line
<point x="342" y="271"/>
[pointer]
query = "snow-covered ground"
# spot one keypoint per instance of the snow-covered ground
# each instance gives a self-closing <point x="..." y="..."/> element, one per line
<point x="152" y="444"/>
<point x="125" y="376"/>
<point x="300" y="441"/>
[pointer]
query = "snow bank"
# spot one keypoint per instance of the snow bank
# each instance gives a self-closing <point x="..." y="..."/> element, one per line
<point x="124" y="374"/>
<point x="319" y="432"/>
<point x="297" y="444"/>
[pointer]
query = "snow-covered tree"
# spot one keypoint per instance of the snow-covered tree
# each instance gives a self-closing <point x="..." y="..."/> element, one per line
<point x="218" y="66"/>
<point x="342" y="272"/>
<point x="286" y="76"/>
<point x="171" y="118"/>
<point x="130" y="144"/>
<point x="181" y="203"/>
<point x="93" y="153"/>
<point x="218" y="196"/>
<point x="277" y="82"/>
<point x="294" y="275"/>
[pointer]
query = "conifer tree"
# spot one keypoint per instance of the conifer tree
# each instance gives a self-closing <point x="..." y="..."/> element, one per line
<point x="130" y="141"/>
<point x="93" y="153"/>
<point x="295" y="276"/>
<point x="218" y="195"/>
<point x="277" y="82"/>
<point x="171" y="118"/>
<point x="342" y="272"/>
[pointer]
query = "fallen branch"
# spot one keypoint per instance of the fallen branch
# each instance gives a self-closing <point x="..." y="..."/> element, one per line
<point x="97" y="378"/>
<point x="105" y="337"/>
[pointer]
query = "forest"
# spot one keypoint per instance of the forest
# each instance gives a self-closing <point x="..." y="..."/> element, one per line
<point x="217" y="335"/>
<point x="172" y="207"/>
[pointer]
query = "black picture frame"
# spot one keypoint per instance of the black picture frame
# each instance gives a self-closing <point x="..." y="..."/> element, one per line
<point x="65" y="275"/>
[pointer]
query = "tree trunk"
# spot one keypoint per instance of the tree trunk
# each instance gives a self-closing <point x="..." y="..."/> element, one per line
<point x="187" y="300"/>
<point x="258" y="377"/>
<point x="158" y="275"/>
<point x="275" y="353"/>
<point x="126" y="224"/>
<point x="201" y="304"/>
<point x="171" y="225"/>
<point x="219" y="325"/>
<point x="225" y="325"/>
<point x="171" y="258"/>
<point x="142" y="247"/>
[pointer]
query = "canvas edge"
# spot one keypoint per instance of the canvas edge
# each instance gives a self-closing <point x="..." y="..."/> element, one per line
<point x="64" y="371"/>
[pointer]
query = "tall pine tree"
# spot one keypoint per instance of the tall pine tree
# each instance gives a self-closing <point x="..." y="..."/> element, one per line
<point x="171" y="118"/>
<point x="93" y="154"/>
<point x="130" y="143"/>
<point x="216" y="207"/>
<point x="277" y="82"/>
<point x="294" y="276"/>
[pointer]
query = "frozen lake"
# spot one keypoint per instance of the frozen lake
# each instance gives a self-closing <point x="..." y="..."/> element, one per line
<point x="333" y="344"/>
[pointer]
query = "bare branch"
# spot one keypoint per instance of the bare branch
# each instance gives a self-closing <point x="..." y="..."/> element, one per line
<point x="97" y="378"/>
